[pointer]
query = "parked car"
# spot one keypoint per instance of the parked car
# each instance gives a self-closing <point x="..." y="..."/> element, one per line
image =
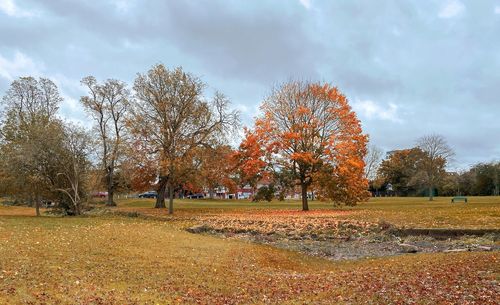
<point x="100" y="194"/>
<point x="150" y="194"/>
<point x="196" y="196"/>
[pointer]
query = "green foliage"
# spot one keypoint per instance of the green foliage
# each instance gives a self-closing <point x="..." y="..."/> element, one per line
<point x="265" y="193"/>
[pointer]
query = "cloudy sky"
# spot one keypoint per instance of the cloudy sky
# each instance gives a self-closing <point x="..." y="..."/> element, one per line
<point x="409" y="68"/>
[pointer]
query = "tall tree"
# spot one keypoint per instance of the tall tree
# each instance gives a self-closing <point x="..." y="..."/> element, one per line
<point x="29" y="136"/>
<point x="310" y="130"/>
<point x="437" y="154"/>
<point x="171" y="114"/>
<point x="108" y="104"/>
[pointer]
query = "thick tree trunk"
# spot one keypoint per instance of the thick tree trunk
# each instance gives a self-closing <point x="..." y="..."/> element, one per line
<point x="431" y="193"/>
<point x="305" y="204"/>
<point x="170" y="199"/>
<point x="160" y="198"/>
<point x="110" y="201"/>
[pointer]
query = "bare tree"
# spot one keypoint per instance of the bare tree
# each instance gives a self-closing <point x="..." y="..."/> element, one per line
<point x="437" y="155"/>
<point x="172" y="117"/>
<point x="373" y="158"/>
<point x="108" y="104"/>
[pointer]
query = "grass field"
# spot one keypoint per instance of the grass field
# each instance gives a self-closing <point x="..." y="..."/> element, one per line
<point x="412" y="212"/>
<point x="130" y="260"/>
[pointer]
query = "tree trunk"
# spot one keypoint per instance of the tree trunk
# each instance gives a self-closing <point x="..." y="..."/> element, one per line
<point x="431" y="193"/>
<point x="170" y="199"/>
<point x="111" y="191"/>
<point x="37" y="205"/>
<point x="211" y="193"/>
<point x="160" y="198"/>
<point x="305" y="204"/>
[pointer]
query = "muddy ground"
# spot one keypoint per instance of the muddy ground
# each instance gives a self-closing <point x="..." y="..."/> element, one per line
<point x="375" y="244"/>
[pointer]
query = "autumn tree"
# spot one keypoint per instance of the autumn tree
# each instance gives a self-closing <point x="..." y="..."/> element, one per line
<point x="250" y="160"/>
<point x="74" y="163"/>
<point x="400" y="170"/>
<point x="29" y="135"/>
<point x="215" y="168"/>
<point x="310" y="130"/>
<point x="174" y="119"/>
<point x="432" y="167"/>
<point x="108" y="104"/>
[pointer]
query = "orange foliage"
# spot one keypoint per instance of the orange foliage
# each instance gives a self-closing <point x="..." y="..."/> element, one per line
<point x="311" y="130"/>
<point x="249" y="159"/>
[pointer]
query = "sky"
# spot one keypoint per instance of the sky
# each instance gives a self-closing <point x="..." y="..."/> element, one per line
<point x="408" y="68"/>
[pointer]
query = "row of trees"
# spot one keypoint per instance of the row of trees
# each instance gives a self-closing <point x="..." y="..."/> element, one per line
<point x="421" y="170"/>
<point x="165" y="134"/>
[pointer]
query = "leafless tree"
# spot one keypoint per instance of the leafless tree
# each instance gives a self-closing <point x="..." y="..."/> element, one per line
<point x="108" y="104"/>
<point x="437" y="155"/>
<point x="372" y="159"/>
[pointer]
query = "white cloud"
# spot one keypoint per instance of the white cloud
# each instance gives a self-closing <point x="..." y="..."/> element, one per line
<point x="306" y="3"/>
<point x="19" y="65"/>
<point x="10" y="8"/>
<point x="497" y="10"/>
<point x="451" y="9"/>
<point x="371" y="110"/>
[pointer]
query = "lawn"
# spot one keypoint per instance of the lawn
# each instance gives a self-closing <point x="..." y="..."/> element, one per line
<point x="412" y="212"/>
<point x="113" y="260"/>
<point x="133" y="260"/>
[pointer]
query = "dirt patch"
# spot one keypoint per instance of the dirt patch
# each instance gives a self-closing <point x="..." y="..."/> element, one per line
<point x="327" y="237"/>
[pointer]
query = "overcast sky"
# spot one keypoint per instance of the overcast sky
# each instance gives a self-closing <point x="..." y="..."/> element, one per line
<point x="409" y="68"/>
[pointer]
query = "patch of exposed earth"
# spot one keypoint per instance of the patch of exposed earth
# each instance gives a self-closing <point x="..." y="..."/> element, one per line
<point x="342" y="240"/>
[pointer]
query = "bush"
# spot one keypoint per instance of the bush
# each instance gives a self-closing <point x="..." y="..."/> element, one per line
<point x="265" y="193"/>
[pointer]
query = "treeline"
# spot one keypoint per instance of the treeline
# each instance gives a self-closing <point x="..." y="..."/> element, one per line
<point x="167" y="136"/>
<point x="406" y="173"/>
<point x="164" y="133"/>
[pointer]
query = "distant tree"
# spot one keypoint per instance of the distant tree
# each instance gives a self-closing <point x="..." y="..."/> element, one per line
<point x="373" y="158"/>
<point x="310" y="130"/>
<point x="266" y="193"/>
<point x="249" y="161"/>
<point x="467" y="182"/>
<point x="486" y="178"/>
<point x="450" y="185"/>
<point x="400" y="169"/>
<point x="283" y="181"/>
<point x="108" y="104"/>
<point x="437" y="154"/>
<point x="215" y="168"/>
<point x="172" y="116"/>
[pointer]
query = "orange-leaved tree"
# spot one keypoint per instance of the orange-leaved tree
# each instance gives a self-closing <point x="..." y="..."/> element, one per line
<point x="310" y="130"/>
<point x="249" y="160"/>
